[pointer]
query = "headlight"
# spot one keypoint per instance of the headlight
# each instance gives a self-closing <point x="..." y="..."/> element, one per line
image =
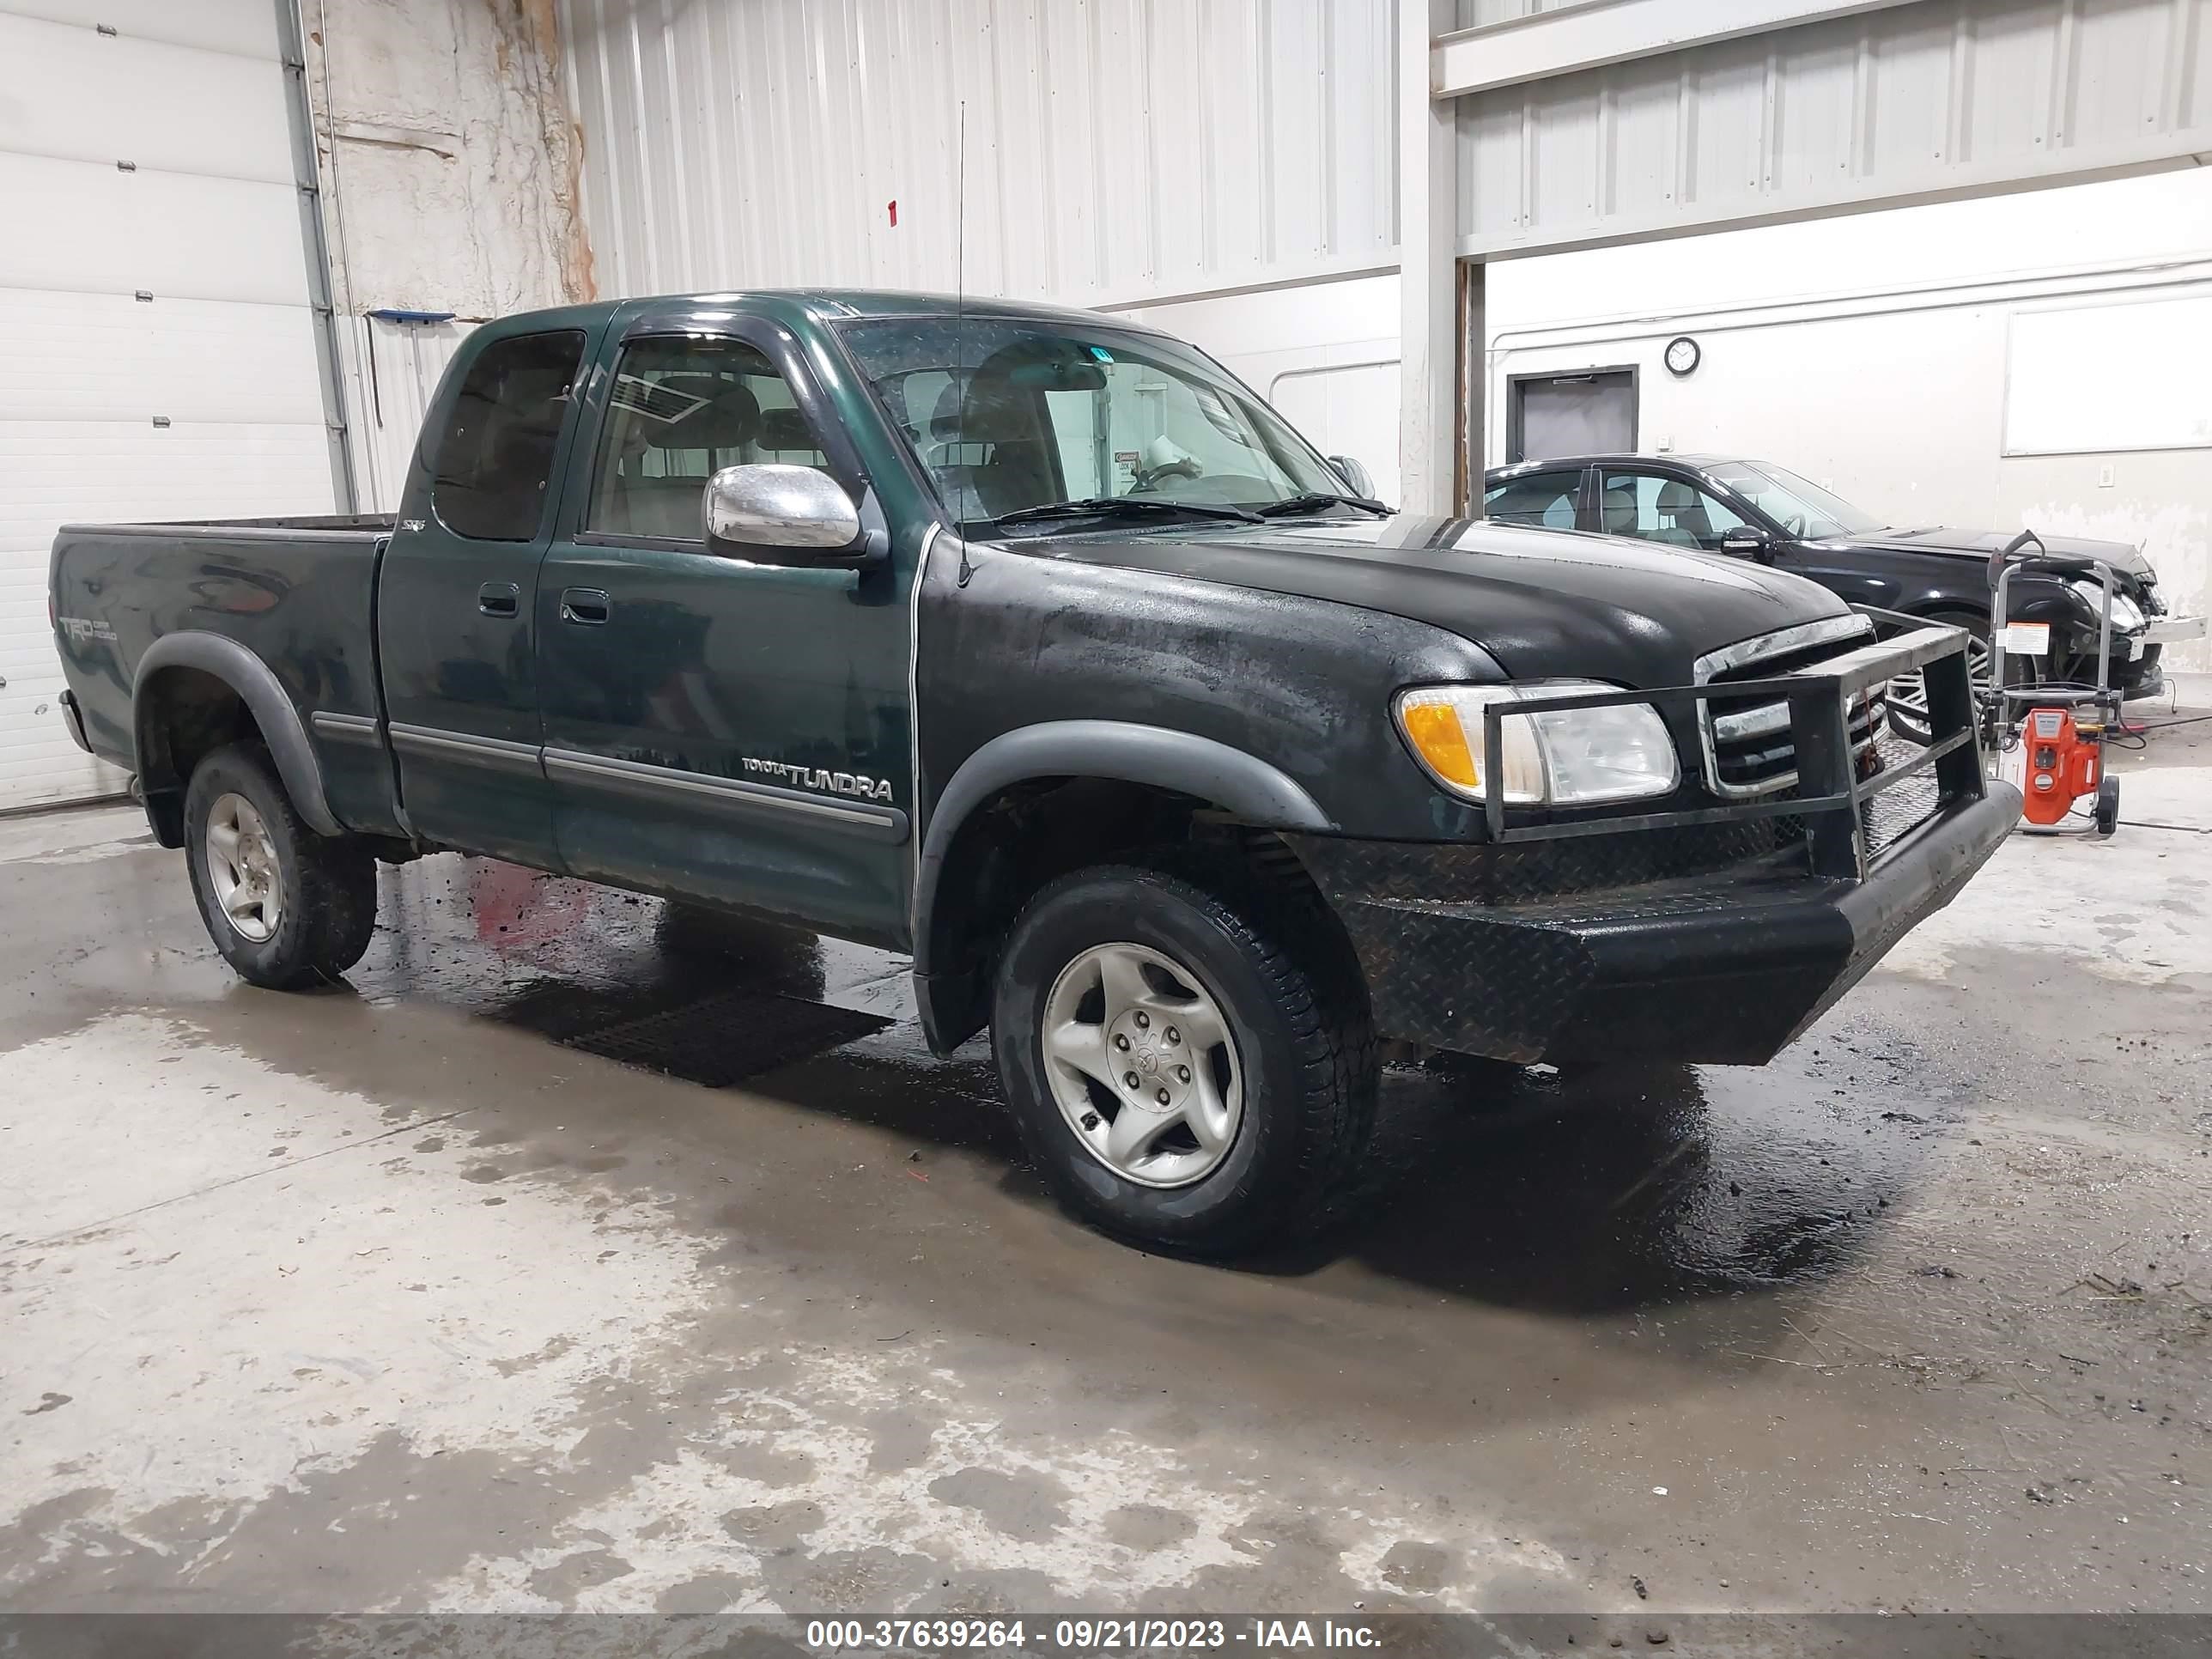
<point x="1554" y="757"/>
<point x="2127" y="616"/>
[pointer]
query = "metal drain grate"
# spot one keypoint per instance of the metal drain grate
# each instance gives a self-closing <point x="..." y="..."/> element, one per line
<point x="724" y="1039"/>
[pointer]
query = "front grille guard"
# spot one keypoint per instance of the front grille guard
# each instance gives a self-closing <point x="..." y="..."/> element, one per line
<point x="1831" y="797"/>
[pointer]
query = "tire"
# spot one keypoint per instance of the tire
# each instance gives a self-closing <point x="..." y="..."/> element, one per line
<point x="1908" y="699"/>
<point x="307" y="907"/>
<point x="1297" y="1062"/>
<point x="2107" y="815"/>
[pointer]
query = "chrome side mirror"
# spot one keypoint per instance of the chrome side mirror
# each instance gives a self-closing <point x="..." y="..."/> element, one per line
<point x="1748" y="539"/>
<point x="1356" y="478"/>
<point x="763" y="509"/>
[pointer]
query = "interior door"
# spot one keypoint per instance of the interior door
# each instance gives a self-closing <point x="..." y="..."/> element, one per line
<point x="716" y="727"/>
<point x="1586" y="414"/>
<point x="456" y="621"/>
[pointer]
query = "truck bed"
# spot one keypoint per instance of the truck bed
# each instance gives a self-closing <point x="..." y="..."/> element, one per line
<point x="298" y="593"/>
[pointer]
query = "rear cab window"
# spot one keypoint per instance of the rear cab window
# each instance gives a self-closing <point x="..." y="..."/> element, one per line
<point x="494" y="470"/>
<point x="1546" y="499"/>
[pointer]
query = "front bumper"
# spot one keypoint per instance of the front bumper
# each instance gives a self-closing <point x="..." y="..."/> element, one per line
<point x="1726" y="966"/>
<point x="1711" y="933"/>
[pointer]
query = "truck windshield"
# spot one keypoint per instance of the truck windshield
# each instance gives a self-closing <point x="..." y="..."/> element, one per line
<point x="1010" y="416"/>
<point x="1798" y="505"/>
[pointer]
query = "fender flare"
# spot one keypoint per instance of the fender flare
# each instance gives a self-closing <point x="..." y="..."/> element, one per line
<point x="263" y="696"/>
<point x="1123" y="750"/>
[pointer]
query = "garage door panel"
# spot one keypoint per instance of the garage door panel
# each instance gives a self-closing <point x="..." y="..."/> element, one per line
<point x="247" y="27"/>
<point x="172" y="107"/>
<point x="54" y="472"/>
<point x="76" y="225"/>
<point x="107" y="356"/>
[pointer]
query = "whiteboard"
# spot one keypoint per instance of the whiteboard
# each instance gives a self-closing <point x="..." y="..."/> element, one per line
<point x="2132" y="375"/>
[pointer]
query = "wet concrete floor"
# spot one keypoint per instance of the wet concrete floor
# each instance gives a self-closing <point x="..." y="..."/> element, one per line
<point x="575" y="1256"/>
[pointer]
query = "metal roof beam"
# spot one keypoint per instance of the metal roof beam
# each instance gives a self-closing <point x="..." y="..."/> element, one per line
<point x="1597" y="32"/>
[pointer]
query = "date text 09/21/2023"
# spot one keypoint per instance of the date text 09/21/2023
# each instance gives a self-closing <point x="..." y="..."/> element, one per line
<point x="1085" y="1635"/>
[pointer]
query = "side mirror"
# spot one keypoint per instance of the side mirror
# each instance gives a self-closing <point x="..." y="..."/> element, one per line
<point x="1356" y="478"/>
<point x="1750" y="542"/>
<point x="801" y="512"/>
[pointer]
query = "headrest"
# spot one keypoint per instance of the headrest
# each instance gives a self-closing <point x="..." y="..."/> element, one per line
<point x="1619" y="509"/>
<point x="1675" y="496"/>
<point x="786" y="429"/>
<point x="727" y="417"/>
<point x="994" y="413"/>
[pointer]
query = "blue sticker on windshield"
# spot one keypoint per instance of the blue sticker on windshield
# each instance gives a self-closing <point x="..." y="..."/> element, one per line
<point x="1101" y="354"/>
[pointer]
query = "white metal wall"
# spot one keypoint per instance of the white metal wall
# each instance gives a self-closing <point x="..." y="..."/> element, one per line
<point x="1944" y="97"/>
<point x="1115" y="148"/>
<point x="157" y="352"/>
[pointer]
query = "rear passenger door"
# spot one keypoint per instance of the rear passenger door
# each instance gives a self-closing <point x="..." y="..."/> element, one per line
<point x="456" y="618"/>
<point x="717" y="728"/>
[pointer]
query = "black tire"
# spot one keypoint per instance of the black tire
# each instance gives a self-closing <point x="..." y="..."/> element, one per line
<point x="1304" y="1047"/>
<point x="2107" y="812"/>
<point x="327" y="885"/>
<point x="1908" y="723"/>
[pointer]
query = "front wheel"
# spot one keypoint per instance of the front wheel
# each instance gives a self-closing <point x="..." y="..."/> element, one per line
<point x="1908" y="693"/>
<point x="288" y="909"/>
<point x="1188" y="1064"/>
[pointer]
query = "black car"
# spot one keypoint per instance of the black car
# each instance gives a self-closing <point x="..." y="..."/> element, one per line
<point x="1756" y="510"/>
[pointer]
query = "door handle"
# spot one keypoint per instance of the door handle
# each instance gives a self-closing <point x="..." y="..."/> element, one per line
<point x="500" y="599"/>
<point x="587" y="606"/>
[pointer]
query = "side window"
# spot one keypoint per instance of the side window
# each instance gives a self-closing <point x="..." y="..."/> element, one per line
<point x="1656" y="509"/>
<point x="1544" y="499"/>
<point x="680" y="410"/>
<point x="495" y="460"/>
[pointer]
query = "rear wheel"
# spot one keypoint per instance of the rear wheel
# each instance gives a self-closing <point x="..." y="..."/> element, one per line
<point x="287" y="908"/>
<point x="2107" y="816"/>
<point x="1187" y="1066"/>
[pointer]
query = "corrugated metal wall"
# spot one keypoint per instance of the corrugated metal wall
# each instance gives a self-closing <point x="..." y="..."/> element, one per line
<point x="1115" y="149"/>
<point x="1906" y="104"/>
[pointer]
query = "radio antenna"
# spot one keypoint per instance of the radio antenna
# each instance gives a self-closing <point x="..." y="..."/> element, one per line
<point x="960" y="327"/>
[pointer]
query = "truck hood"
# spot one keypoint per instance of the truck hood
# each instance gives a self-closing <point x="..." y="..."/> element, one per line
<point x="1546" y="603"/>
<point x="1981" y="543"/>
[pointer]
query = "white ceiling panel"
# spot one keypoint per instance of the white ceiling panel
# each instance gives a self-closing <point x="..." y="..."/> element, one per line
<point x="128" y="99"/>
<point x="1899" y="103"/>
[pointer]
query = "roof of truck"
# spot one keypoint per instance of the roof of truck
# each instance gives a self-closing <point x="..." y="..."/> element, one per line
<point x="837" y="304"/>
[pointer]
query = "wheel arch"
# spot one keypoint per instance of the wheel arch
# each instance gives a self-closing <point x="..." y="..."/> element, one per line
<point x="1090" y="786"/>
<point x="173" y="677"/>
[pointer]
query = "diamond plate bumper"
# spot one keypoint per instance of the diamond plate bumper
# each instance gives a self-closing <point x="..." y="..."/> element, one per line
<point x="1724" y="965"/>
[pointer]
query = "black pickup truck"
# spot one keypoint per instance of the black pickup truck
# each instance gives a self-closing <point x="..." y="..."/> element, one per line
<point x="1035" y="645"/>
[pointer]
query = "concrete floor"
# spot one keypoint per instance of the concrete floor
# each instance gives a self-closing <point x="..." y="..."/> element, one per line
<point x="383" y="1298"/>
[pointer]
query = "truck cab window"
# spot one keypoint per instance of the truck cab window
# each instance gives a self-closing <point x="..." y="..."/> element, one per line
<point x="680" y="411"/>
<point x="495" y="460"/>
<point x="1545" y="499"/>
<point x="1657" y="509"/>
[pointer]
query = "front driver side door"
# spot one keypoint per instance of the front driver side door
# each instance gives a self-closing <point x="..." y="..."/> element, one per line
<point x="1661" y="506"/>
<point x="717" y="728"/>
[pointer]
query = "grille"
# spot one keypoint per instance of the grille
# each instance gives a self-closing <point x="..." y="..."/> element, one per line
<point x="1748" y="750"/>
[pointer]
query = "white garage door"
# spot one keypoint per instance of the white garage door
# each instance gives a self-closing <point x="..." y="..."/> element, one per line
<point x="157" y="345"/>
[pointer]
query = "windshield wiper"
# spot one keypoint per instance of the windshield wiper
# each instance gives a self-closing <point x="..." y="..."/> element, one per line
<point x="1317" y="500"/>
<point x="1102" y="507"/>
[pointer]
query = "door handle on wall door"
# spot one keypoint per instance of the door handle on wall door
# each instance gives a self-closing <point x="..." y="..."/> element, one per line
<point x="587" y="606"/>
<point x="500" y="599"/>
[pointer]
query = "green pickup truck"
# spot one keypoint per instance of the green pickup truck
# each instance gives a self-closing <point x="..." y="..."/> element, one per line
<point x="1033" y="644"/>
